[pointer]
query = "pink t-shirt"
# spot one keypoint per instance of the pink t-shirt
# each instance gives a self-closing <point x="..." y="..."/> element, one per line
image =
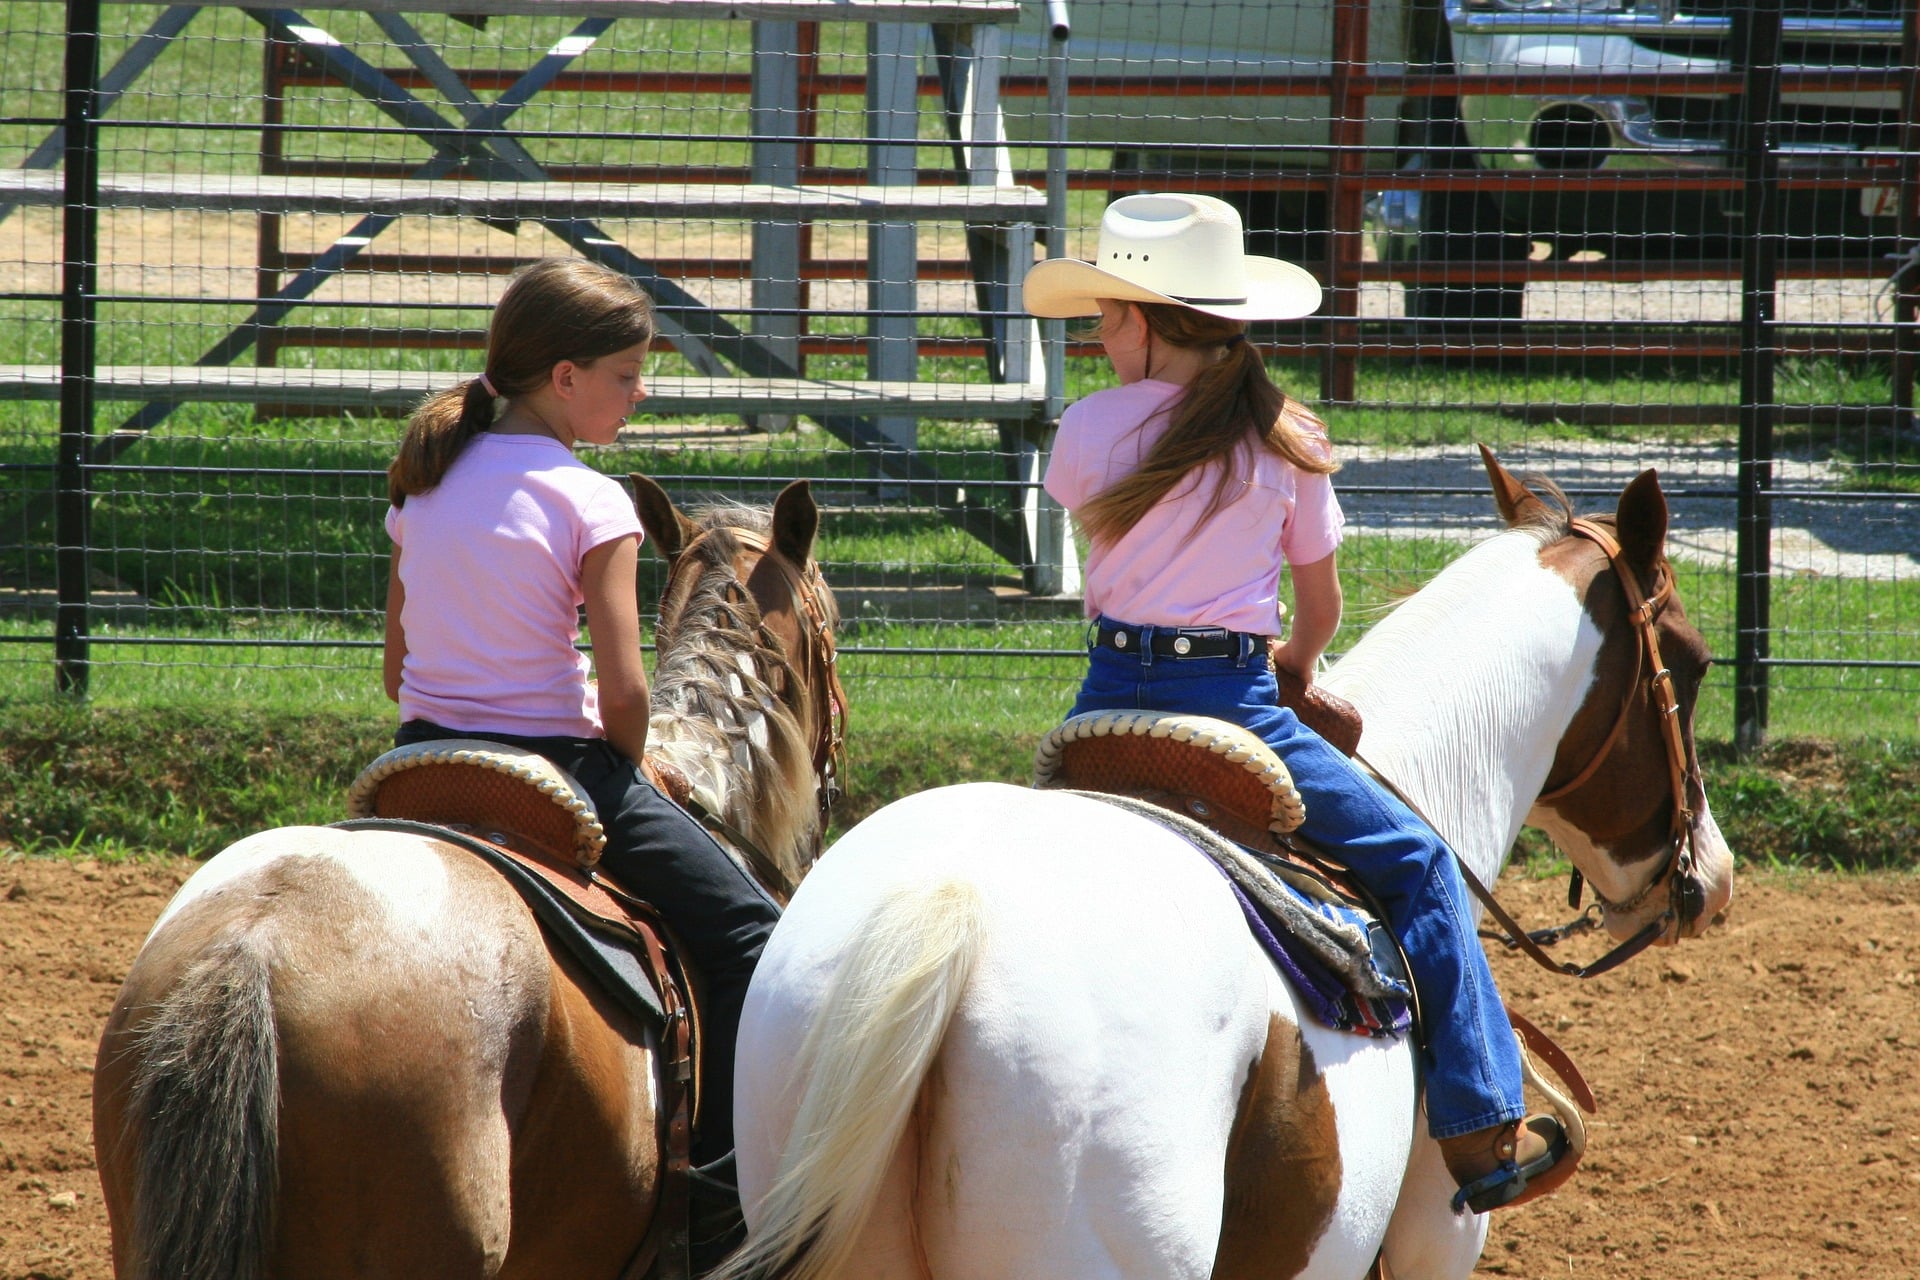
<point x="490" y="563"/>
<point x="1169" y="570"/>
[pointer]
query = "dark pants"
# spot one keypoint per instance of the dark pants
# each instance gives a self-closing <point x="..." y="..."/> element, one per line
<point x="719" y="913"/>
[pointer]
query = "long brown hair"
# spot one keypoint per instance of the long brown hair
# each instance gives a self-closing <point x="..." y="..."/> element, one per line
<point x="557" y="309"/>
<point x="1232" y="405"/>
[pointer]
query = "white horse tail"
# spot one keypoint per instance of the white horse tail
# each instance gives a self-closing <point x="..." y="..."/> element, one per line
<point x="861" y="1068"/>
<point x="204" y="1105"/>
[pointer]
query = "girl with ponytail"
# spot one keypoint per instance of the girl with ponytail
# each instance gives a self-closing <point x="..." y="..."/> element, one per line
<point x="1197" y="482"/>
<point x="500" y="537"/>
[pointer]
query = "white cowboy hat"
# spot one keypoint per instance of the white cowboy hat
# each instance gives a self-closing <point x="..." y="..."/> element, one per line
<point x="1182" y="249"/>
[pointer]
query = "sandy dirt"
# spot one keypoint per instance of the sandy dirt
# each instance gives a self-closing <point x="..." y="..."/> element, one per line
<point x="1759" y="1116"/>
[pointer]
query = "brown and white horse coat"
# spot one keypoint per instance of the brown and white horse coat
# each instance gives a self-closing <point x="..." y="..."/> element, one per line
<point x="353" y="1054"/>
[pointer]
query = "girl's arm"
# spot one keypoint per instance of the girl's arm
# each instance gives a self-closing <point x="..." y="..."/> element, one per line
<point x="613" y="619"/>
<point x="1316" y="615"/>
<point x="396" y="646"/>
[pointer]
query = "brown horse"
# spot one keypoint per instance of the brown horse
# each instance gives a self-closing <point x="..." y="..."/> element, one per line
<point x="353" y="1053"/>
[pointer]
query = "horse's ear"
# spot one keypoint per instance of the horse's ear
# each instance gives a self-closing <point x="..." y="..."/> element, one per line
<point x="667" y="529"/>
<point x="1517" y="503"/>
<point x="1641" y="523"/>
<point x="796" y="520"/>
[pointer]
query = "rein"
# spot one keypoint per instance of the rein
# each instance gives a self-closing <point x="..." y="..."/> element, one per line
<point x="1684" y="894"/>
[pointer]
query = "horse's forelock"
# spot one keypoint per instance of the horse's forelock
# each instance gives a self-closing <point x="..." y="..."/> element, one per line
<point x="719" y="517"/>
<point x="1552" y="517"/>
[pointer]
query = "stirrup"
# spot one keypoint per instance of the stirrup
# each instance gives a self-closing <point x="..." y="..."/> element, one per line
<point x="1514" y="1183"/>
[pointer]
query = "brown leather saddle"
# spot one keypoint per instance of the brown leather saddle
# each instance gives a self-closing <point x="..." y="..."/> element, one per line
<point x="1326" y="713"/>
<point x="1228" y="780"/>
<point x="1218" y="774"/>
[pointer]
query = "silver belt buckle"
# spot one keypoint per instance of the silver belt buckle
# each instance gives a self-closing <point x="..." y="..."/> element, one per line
<point x="1182" y="645"/>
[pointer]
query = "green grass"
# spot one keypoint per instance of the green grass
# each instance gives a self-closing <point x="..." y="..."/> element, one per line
<point x="231" y="583"/>
<point x="113" y="781"/>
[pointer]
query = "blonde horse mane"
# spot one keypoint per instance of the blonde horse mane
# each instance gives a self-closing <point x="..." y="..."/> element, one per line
<point x="718" y="715"/>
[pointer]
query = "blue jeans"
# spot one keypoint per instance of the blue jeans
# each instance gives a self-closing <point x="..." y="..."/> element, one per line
<point x="1472" y="1063"/>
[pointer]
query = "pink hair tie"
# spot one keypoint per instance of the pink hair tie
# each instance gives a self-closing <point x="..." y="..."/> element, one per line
<point x="486" y="385"/>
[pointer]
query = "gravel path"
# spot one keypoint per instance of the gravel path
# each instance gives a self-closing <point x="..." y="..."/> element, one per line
<point x="1830" y="536"/>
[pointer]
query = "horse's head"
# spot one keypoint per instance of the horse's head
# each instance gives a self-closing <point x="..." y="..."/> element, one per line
<point x="747" y="699"/>
<point x="1624" y="798"/>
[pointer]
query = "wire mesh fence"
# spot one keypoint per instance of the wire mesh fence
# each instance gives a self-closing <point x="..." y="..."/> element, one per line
<point x="1598" y="237"/>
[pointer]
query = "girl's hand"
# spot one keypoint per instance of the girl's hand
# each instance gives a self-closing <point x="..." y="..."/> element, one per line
<point x="1282" y="655"/>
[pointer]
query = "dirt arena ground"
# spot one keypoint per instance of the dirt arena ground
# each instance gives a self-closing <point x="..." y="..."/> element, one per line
<point x="1759" y="1109"/>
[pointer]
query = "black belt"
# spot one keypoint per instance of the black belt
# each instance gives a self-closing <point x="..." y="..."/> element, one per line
<point x="1183" y="642"/>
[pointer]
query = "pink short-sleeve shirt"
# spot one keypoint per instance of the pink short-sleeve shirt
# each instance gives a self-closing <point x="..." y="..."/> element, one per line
<point x="490" y="564"/>
<point x="1170" y="569"/>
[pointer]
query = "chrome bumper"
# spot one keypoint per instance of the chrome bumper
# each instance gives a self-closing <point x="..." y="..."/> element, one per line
<point x="1620" y="131"/>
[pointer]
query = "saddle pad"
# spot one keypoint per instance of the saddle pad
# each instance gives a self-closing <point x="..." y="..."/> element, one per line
<point x="500" y="793"/>
<point x="1198" y="762"/>
<point x="1331" y="996"/>
<point x="1341" y="960"/>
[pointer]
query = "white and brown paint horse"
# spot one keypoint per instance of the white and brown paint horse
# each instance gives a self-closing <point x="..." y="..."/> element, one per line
<point x="1005" y="1032"/>
<point x="353" y="1054"/>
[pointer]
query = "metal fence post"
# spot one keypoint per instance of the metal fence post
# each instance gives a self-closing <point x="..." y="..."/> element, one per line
<point x="79" y="241"/>
<point x="1906" y="275"/>
<point x="1757" y="46"/>
<point x="1053" y="333"/>
<point x="1056" y="564"/>
<point x="1346" y="201"/>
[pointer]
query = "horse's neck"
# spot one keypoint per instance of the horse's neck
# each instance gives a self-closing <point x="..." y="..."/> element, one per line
<point x="1466" y="689"/>
<point x="742" y="761"/>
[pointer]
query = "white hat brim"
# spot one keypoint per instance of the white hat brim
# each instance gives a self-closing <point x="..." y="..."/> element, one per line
<point x="1062" y="288"/>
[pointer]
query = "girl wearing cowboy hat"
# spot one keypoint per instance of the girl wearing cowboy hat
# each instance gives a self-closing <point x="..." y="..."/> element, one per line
<point x="1196" y="481"/>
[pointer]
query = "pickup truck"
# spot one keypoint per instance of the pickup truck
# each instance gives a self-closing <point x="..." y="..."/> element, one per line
<point x="1167" y="85"/>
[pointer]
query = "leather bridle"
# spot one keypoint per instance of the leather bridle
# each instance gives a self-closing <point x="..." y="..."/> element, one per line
<point x="817" y="666"/>
<point x="1686" y="896"/>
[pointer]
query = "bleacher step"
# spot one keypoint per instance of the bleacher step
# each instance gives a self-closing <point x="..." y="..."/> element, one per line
<point x="698" y="10"/>
<point x="329" y="390"/>
<point x="249" y="193"/>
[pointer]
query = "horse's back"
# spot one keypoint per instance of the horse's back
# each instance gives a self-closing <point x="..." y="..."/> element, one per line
<point x="1091" y="1080"/>
<point x="398" y="992"/>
